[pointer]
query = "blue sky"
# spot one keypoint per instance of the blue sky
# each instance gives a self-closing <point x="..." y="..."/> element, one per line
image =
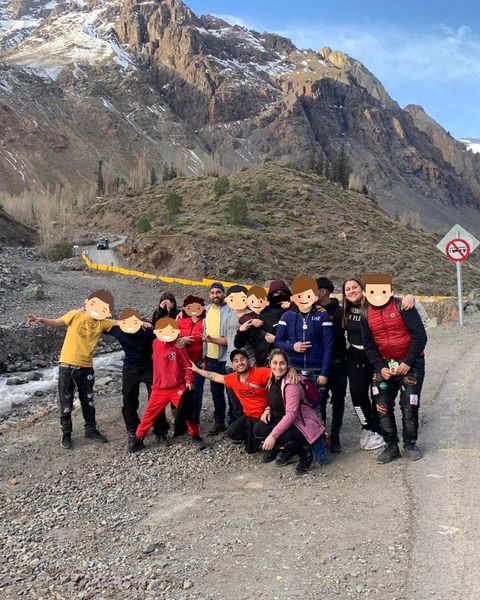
<point x="424" y="52"/>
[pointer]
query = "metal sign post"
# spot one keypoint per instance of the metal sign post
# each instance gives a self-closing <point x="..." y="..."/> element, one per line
<point x="457" y="245"/>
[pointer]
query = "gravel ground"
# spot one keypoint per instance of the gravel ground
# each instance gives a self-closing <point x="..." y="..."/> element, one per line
<point x="178" y="524"/>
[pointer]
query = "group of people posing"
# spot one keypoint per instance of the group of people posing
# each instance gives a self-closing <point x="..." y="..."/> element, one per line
<point x="279" y="355"/>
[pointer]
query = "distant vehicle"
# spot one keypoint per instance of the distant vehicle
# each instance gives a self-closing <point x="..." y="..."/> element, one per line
<point x="102" y="244"/>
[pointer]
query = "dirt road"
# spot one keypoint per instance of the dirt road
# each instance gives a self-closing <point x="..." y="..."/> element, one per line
<point x="178" y="524"/>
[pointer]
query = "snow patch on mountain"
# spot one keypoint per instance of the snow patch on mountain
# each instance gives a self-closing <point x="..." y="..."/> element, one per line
<point x="472" y="144"/>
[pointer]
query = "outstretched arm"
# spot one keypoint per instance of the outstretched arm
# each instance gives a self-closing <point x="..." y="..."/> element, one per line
<point x="216" y="377"/>
<point x="32" y="320"/>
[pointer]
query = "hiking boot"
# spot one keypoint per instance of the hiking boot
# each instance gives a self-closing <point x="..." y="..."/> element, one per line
<point x="237" y="441"/>
<point x="374" y="442"/>
<point x="335" y="446"/>
<point x="96" y="435"/>
<point x="320" y="452"/>
<point x="411" y="451"/>
<point x="283" y="457"/>
<point x="216" y="429"/>
<point x="198" y="442"/>
<point x="131" y="436"/>
<point x="268" y="456"/>
<point x="66" y="441"/>
<point x="305" y="462"/>
<point x="135" y="445"/>
<point x="390" y="453"/>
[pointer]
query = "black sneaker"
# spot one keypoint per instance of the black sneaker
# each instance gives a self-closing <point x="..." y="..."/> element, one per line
<point x="268" y="456"/>
<point x="198" y="442"/>
<point x="305" y="462"/>
<point x="335" y="446"/>
<point x="66" y="441"/>
<point x="283" y="457"/>
<point x="131" y="436"/>
<point x="96" y="435"/>
<point x="390" y="453"/>
<point x="135" y="445"/>
<point x="411" y="451"/>
<point x="161" y="439"/>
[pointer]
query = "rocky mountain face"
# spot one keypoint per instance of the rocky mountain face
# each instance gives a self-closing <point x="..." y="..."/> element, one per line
<point x="86" y="80"/>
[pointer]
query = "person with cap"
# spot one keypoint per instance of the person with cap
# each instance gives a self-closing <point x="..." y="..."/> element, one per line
<point x="250" y="387"/>
<point x="215" y="351"/>
<point x="337" y="379"/>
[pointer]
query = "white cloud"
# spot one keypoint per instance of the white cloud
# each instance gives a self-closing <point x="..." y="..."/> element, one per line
<point x="235" y="20"/>
<point x="438" y="53"/>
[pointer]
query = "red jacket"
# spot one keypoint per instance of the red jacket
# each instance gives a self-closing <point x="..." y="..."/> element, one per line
<point x="170" y="365"/>
<point x="189" y="328"/>
<point x="389" y="331"/>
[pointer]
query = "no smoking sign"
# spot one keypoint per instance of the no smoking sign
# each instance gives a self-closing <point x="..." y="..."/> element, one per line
<point x="458" y="250"/>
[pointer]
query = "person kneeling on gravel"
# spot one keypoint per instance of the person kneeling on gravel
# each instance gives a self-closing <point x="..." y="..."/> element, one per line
<point x="289" y="425"/>
<point x="250" y="387"/>
<point x="84" y="329"/>
<point x="394" y="341"/>
<point x="171" y="379"/>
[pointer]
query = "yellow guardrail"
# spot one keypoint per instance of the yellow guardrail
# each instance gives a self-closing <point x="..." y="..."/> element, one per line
<point x="205" y="282"/>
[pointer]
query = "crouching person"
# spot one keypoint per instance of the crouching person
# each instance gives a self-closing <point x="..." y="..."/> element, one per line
<point x="171" y="378"/>
<point x="250" y="387"/>
<point x="289" y="425"/>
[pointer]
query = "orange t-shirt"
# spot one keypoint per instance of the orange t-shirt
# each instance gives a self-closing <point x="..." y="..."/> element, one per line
<point x="251" y="393"/>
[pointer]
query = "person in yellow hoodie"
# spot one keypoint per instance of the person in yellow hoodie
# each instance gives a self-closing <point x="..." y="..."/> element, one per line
<point x="84" y="329"/>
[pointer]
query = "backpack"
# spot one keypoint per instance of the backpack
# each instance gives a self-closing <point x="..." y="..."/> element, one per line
<point x="312" y="394"/>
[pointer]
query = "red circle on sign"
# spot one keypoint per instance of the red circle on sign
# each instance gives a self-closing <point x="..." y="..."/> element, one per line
<point x="458" y="250"/>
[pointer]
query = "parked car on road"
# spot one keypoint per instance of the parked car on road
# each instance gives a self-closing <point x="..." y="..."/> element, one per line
<point x="102" y="244"/>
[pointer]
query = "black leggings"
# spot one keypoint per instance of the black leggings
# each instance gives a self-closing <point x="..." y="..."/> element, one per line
<point x="263" y="430"/>
<point x="360" y="373"/>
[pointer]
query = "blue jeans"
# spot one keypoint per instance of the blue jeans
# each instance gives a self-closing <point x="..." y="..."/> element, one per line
<point x="217" y="389"/>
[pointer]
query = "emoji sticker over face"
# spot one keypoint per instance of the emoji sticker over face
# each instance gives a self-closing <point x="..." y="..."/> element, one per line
<point x="378" y="288"/>
<point x="166" y="329"/>
<point x="257" y="299"/>
<point x="130" y="321"/>
<point x="237" y="297"/>
<point x="99" y="305"/>
<point x="304" y="293"/>
<point x="194" y="306"/>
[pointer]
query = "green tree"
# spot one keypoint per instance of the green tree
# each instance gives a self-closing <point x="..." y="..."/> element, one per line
<point x="327" y="170"/>
<point x="221" y="186"/>
<point x="311" y="163"/>
<point x="153" y="176"/>
<point x="143" y="224"/>
<point x="166" y="173"/>
<point x="319" y="167"/>
<point x="173" y="204"/>
<point x="341" y="168"/>
<point x="100" y="182"/>
<point x="261" y="193"/>
<point x="237" y="210"/>
<point x="173" y="172"/>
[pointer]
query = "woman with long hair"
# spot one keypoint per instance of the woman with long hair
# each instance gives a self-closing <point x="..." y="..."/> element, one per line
<point x="289" y="425"/>
<point x="359" y="369"/>
<point x="167" y="307"/>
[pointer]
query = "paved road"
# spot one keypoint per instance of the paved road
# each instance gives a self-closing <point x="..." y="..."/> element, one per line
<point x="105" y="257"/>
<point x="445" y="484"/>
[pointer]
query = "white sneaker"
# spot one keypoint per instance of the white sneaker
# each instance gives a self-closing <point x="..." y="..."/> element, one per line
<point x="375" y="441"/>
<point x="364" y="437"/>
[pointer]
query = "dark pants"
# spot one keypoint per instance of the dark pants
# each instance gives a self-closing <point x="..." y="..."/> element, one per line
<point x="263" y="430"/>
<point x="360" y="373"/>
<point x="82" y="380"/>
<point x="235" y="410"/>
<point x="132" y="378"/>
<point x="337" y="387"/>
<point x="243" y="429"/>
<point x="385" y="392"/>
<point x="217" y="389"/>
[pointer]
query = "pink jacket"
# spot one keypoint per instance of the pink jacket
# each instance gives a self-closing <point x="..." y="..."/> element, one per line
<point x="298" y="413"/>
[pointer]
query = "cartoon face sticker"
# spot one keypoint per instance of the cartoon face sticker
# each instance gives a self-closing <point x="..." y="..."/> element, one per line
<point x="194" y="309"/>
<point x="304" y="293"/>
<point x="130" y="321"/>
<point x="378" y="288"/>
<point x="99" y="305"/>
<point x="257" y="299"/>
<point x="237" y="297"/>
<point x="166" y="329"/>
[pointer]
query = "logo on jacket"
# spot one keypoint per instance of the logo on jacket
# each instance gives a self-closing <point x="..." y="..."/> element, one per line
<point x="171" y="356"/>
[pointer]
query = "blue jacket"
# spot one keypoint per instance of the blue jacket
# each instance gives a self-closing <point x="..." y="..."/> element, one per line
<point x="319" y="332"/>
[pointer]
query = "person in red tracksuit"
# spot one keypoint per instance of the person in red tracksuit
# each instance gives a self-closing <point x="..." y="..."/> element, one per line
<point x="171" y="378"/>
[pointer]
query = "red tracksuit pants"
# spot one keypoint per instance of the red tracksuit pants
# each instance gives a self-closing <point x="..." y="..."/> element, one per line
<point x="159" y="398"/>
